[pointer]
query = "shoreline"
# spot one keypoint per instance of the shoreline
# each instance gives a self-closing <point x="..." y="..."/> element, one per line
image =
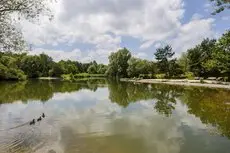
<point x="195" y="83"/>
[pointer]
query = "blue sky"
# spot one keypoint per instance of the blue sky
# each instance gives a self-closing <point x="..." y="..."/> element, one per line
<point x="92" y="29"/>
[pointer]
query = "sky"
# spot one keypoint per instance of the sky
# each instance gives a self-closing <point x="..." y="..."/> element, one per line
<point x="91" y="29"/>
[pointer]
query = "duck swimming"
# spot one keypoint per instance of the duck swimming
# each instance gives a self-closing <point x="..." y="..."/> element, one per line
<point x="43" y="115"/>
<point x="39" y="119"/>
<point x="32" y="122"/>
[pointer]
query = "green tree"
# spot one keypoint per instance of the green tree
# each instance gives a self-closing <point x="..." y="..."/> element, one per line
<point x="199" y="55"/>
<point x="138" y="66"/>
<point x="68" y="67"/>
<point x="163" y="56"/>
<point x="56" y="70"/>
<point x="46" y="64"/>
<point x="118" y="63"/>
<point x="32" y="66"/>
<point x="11" y="36"/>
<point x="183" y="62"/>
<point x="220" y="5"/>
<point x="221" y="56"/>
<point x="101" y="69"/>
<point x="92" y="69"/>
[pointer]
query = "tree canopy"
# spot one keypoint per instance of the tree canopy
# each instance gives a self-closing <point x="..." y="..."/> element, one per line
<point x="118" y="63"/>
<point x="220" y="5"/>
<point x="11" y="38"/>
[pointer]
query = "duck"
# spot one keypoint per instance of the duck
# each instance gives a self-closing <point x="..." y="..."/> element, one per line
<point x="32" y="122"/>
<point x="39" y="119"/>
<point x="43" y="115"/>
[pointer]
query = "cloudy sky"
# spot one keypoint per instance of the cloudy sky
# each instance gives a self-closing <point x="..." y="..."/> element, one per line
<point x="91" y="29"/>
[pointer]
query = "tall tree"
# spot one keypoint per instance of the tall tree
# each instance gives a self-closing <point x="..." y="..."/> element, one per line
<point x="163" y="56"/>
<point x="199" y="55"/>
<point x="11" y="38"/>
<point x="118" y="63"/>
<point x="222" y="54"/>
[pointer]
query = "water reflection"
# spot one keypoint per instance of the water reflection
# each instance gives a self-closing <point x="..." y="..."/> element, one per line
<point x="106" y="116"/>
<point x="42" y="90"/>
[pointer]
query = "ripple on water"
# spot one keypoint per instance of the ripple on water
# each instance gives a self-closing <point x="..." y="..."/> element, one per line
<point x="26" y="139"/>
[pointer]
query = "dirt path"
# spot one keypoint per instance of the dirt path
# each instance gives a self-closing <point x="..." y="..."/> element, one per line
<point x="181" y="82"/>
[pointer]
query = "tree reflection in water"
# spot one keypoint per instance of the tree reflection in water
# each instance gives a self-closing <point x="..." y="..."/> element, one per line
<point x="210" y="105"/>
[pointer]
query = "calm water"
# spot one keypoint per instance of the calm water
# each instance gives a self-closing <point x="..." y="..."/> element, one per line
<point x="100" y="116"/>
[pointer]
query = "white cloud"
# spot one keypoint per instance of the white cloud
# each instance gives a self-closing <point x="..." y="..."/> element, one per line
<point x="58" y="55"/>
<point x="191" y="34"/>
<point x="141" y="55"/>
<point x="102" y="23"/>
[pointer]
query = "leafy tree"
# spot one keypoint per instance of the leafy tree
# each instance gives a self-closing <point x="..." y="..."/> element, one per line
<point x="183" y="62"/>
<point x="11" y="73"/>
<point x="10" y="35"/>
<point x="175" y="69"/>
<point x="221" y="56"/>
<point x="46" y="64"/>
<point x="32" y="66"/>
<point x="101" y="69"/>
<point x="68" y="67"/>
<point x="55" y="71"/>
<point x="199" y="55"/>
<point x="92" y="69"/>
<point x="118" y="63"/>
<point x="163" y="56"/>
<point x="220" y="5"/>
<point x="138" y="66"/>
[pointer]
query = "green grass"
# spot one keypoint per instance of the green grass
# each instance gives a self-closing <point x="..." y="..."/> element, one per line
<point x="85" y="75"/>
<point x="71" y="77"/>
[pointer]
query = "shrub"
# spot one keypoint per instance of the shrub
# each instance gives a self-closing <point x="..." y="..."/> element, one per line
<point x="189" y="75"/>
<point x="146" y="76"/>
<point x="11" y="73"/>
<point x="160" y="76"/>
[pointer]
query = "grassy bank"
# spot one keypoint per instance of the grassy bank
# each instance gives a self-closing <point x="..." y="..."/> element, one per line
<point x="72" y="77"/>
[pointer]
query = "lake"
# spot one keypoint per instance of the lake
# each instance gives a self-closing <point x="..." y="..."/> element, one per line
<point x="105" y="116"/>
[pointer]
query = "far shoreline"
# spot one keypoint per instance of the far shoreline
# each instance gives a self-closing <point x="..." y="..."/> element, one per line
<point x="195" y="83"/>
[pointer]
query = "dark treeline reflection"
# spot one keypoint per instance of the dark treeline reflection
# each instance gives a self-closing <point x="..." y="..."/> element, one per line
<point x="212" y="106"/>
<point x="164" y="95"/>
<point x="42" y="90"/>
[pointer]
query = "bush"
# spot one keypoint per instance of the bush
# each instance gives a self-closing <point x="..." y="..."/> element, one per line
<point x="68" y="77"/>
<point x="85" y="75"/>
<point x="11" y="73"/>
<point x="146" y="76"/>
<point x="160" y="76"/>
<point x="189" y="75"/>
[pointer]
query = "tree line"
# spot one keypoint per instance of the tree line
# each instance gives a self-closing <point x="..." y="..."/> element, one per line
<point x="210" y="58"/>
<point x="22" y="66"/>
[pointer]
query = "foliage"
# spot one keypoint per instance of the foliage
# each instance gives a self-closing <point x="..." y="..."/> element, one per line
<point x="118" y="63"/>
<point x="85" y="75"/>
<point x="189" y="75"/>
<point x="183" y="62"/>
<point x="138" y="66"/>
<point x="92" y="69"/>
<point x="20" y="66"/>
<point x="160" y="76"/>
<point x="220" y="5"/>
<point x="222" y="55"/>
<point x="210" y="58"/>
<point x="199" y="56"/>
<point x="11" y="73"/>
<point x="11" y="38"/>
<point x="165" y="63"/>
